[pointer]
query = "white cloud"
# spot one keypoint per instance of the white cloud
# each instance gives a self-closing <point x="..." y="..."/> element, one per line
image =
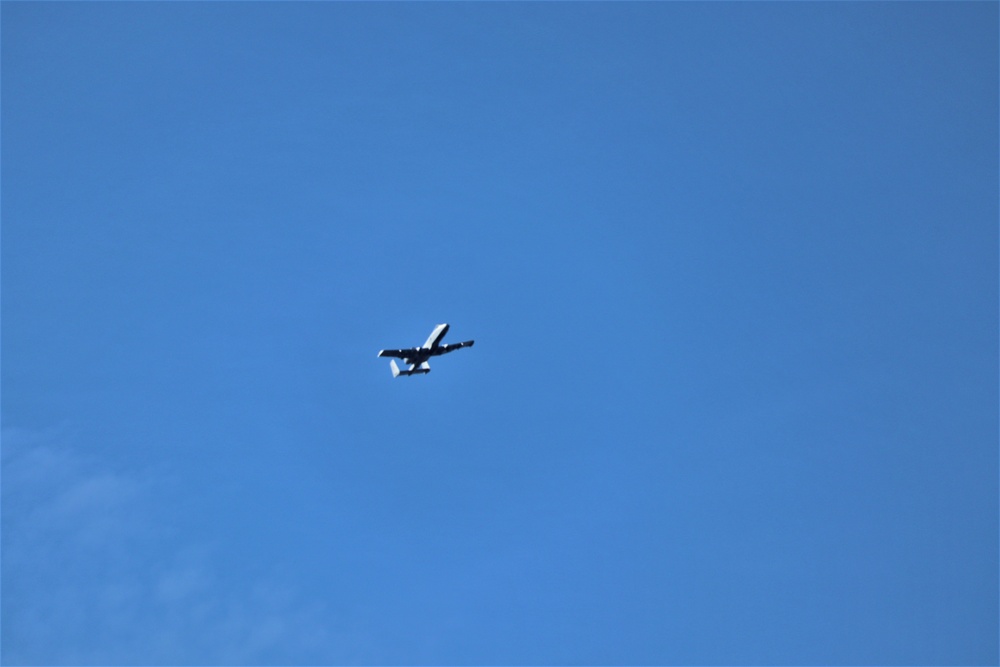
<point x="89" y="578"/>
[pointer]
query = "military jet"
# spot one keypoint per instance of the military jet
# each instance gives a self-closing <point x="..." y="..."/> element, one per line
<point x="416" y="357"/>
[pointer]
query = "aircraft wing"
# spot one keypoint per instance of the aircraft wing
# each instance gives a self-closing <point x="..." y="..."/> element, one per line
<point x="455" y="346"/>
<point x="408" y="353"/>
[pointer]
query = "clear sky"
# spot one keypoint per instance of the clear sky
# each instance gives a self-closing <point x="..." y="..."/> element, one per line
<point x="731" y="270"/>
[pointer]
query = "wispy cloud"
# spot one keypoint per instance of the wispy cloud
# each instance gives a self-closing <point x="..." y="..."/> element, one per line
<point x="89" y="577"/>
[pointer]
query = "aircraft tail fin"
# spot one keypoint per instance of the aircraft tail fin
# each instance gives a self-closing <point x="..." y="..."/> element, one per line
<point x="394" y="367"/>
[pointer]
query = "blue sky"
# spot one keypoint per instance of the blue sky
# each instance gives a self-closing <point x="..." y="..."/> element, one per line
<point x="731" y="270"/>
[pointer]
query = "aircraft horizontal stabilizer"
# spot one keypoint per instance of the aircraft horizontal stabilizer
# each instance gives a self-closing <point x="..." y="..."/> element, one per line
<point x="420" y="370"/>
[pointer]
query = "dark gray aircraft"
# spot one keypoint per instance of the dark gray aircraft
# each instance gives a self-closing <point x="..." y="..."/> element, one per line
<point x="417" y="357"/>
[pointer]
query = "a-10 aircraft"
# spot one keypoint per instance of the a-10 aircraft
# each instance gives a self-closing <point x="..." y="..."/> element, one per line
<point x="417" y="357"/>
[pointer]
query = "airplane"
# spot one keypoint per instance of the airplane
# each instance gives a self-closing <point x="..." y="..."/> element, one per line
<point x="417" y="357"/>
